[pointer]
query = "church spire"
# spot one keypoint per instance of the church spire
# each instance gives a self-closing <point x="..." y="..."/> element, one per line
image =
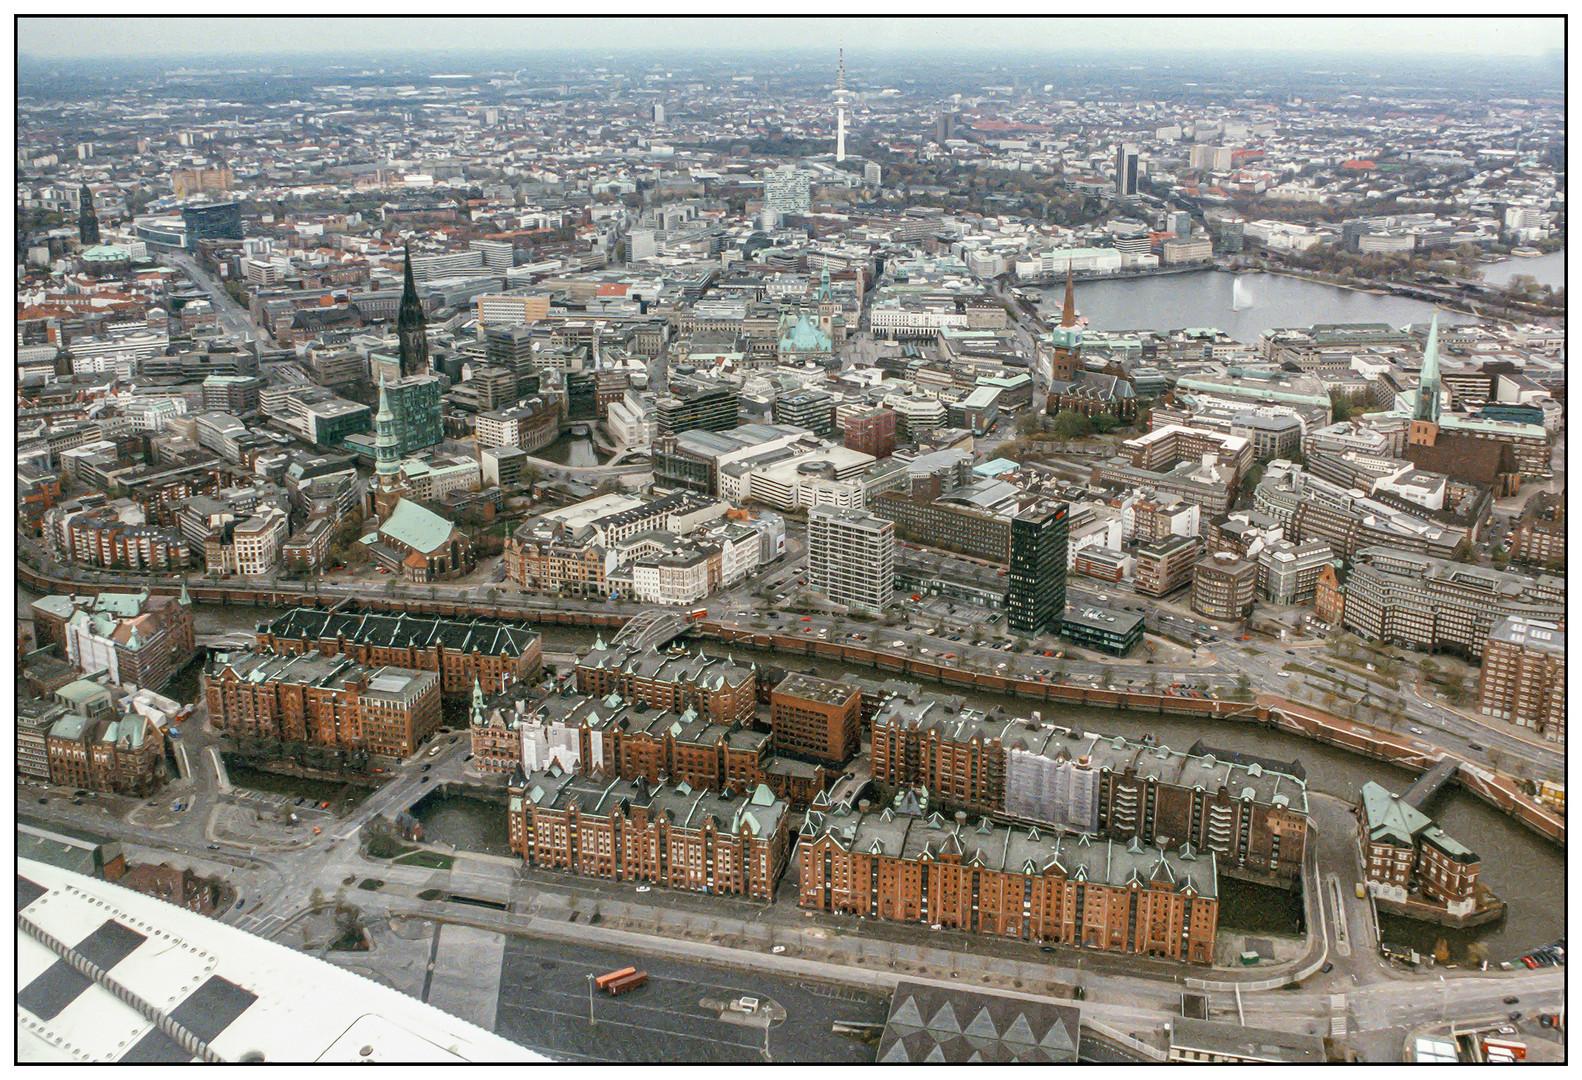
<point x="410" y="326"/>
<point x="387" y="458"/>
<point x="1068" y="315"/>
<point x="1428" y="381"/>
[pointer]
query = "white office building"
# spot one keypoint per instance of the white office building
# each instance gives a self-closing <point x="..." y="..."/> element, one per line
<point x="851" y="558"/>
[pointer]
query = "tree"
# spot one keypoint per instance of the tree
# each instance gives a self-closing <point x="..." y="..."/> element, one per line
<point x="1243" y="685"/>
<point x="1341" y="406"/>
<point x="1027" y="424"/>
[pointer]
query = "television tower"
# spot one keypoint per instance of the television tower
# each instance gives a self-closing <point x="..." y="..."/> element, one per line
<point x="841" y="97"/>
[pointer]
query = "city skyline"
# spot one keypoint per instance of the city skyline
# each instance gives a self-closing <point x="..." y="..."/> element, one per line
<point x="1423" y="37"/>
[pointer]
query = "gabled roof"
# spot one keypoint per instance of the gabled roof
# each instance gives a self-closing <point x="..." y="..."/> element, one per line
<point x="416" y="527"/>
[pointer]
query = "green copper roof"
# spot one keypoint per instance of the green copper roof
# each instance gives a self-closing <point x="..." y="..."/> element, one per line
<point x="420" y="529"/>
<point x="805" y="337"/>
<point x="1388" y="819"/>
<point x="55" y="605"/>
<point x="81" y="692"/>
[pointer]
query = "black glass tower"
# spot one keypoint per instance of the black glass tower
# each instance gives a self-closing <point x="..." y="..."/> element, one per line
<point x="1035" y="595"/>
<point x="87" y="218"/>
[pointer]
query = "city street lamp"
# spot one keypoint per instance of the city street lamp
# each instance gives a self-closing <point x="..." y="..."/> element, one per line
<point x="590" y="999"/>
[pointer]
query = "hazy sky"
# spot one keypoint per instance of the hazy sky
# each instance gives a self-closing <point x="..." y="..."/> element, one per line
<point x="108" y="37"/>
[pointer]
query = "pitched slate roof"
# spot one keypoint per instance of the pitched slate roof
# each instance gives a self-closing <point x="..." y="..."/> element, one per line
<point x="486" y="636"/>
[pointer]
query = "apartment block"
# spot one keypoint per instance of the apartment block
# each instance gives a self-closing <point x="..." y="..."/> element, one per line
<point x="1252" y="813"/>
<point x="1430" y="604"/>
<point x="851" y="558"/>
<point x="1224" y="586"/>
<point x="1405" y="856"/>
<point x="1523" y="680"/>
<point x="1163" y="567"/>
<point x="1288" y="573"/>
<point x="721" y="690"/>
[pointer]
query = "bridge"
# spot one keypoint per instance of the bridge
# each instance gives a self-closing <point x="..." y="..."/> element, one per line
<point x="1430" y="782"/>
<point x="652" y="629"/>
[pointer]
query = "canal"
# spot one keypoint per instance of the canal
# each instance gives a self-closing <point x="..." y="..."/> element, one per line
<point x="574" y="450"/>
<point x="1524" y="870"/>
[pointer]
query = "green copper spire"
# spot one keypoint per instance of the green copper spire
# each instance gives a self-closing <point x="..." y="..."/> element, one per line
<point x="1428" y="382"/>
<point x="387" y="447"/>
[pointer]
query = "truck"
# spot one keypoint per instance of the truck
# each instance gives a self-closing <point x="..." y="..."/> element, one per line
<point x="625" y="983"/>
<point x="1362" y="891"/>
<point x="603" y="981"/>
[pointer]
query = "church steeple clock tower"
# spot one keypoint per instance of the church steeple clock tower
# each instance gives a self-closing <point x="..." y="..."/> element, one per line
<point x="1067" y="337"/>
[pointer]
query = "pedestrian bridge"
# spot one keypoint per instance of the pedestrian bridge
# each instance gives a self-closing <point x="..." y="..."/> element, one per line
<point x="1430" y="782"/>
<point x="652" y="629"/>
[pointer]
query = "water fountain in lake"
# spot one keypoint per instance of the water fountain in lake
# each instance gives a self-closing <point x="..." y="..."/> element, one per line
<point x="1240" y="295"/>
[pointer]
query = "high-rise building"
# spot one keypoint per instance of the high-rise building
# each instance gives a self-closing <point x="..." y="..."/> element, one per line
<point x="787" y="190"/>
<point x="871" y="174"/>
<point x="87" y="219"/>
<point x="871" y="431"/>
<point x="1126" y="165"/>
<point x="659" y="112"/>
<point x="811" y="409"/>
<point x="697" y="408"/>
<point x="215" y="221"/>
<point x="416" y="403"/>
<point x="1035" y="594"/>
<point x="851" y="558"/>
<point x="410" y="327"/>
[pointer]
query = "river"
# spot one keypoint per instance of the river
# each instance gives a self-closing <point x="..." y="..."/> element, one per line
<point x="1203" y="299"/>
<point x="1524" y="870"/>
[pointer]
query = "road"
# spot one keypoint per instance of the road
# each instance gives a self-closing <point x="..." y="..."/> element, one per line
<point x="234" y="319"/>
<point x="545" y="1005"/>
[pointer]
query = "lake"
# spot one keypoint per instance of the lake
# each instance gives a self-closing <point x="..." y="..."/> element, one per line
<point x="1547" y="269"/>
<point x="1203" y="299"/>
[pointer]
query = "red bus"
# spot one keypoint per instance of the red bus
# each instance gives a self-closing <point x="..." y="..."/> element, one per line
<point x="603" y="981"/>
<point x="627" y="982"/>
<point x="697" y="613"/>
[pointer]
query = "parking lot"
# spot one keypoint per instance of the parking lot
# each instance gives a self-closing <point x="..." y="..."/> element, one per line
<point x="544" y="1006"/>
